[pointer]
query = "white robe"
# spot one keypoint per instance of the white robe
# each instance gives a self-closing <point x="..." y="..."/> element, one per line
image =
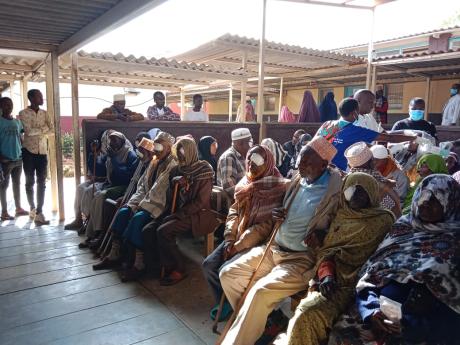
<point x="451" y="114"/>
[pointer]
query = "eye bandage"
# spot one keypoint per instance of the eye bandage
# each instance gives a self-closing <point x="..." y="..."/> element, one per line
<point x="257" y="159"/>
<point x="158" y="147"/>
<point x="181" y="150"/>
<point x="137" y="142"/>
<point x="348" y="193"/>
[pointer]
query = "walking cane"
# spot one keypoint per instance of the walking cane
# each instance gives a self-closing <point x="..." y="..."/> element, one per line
<point x="229" y="323"/>
<point x="94" y="144"/>
<point x="219" y="312"/>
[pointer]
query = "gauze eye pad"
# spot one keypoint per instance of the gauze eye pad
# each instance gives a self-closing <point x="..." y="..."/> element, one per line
<point x="158" y="147"/>
<point x="348" y="193"/>
<point x="181" y="150"/>
<point x="257" y="159"/>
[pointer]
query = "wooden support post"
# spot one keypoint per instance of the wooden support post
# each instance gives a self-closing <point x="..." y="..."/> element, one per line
<point x="230" y="103"/>
<point x="374" y="79"/>
<point x="55" y="157"/>
<point x="243" y="87"/>
<point x="24" y="89"/>
<point x="370" y="49"/>
<point x="281" y="96"/>
<point x="427" y="98"/>
<point x="75" y="120"/>
<point x="260" y="88"/>
<point x="182" y="103"/>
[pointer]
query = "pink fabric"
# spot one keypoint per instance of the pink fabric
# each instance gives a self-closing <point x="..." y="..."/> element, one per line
<point x="308" y="110"/>
<point x="286" y="115"/>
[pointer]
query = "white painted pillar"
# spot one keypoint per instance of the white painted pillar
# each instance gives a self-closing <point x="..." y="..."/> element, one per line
<point x="260" y="88"/>
<point x="75" y="119"/>
<point x="281" y="96"/>
<point x="370" y="49"/>
<point x="230" y="103"/>
<point x="427" y="98"/>
<point x="24" y="89"/>
<point x="374" y="79"/>
<point x="243" y="87"/>
<point x="55" y="157"/>
<point x="12" y="90"/>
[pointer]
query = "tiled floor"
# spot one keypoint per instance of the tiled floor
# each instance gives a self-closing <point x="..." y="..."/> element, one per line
<point x="49" y="294"/>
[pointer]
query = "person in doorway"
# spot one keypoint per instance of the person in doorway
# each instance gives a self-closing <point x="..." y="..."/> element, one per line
<point x="387" y="166"/>
<point x="451" y="113"/>
<point x="416" y="120"/>
<point x="381" y="107"/>
<point x="328" y="108"/>
<point x="196" y="114"/>
<point x="37" y="126"/>
<point x="11" y="132"/>
<point x="308" y="109"/>
<point x="358" y="228"/>
<point x="230" y="167"/>
<point x="118" y="111"/>
<point x="343" y="133"/>
<point x="160" y="111"/>
<point x="366" y="101"/>
<point x="249" y="222"/>
<point x="308" y="208"/>
<point x="192" y="215"/>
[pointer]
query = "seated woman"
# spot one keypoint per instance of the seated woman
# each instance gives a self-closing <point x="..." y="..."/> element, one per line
<point x="249" y="222"/>
<point x="282" y="159"/>
<point x="193" y="214"/>
<point x="427" y="165"/>
<point x="207" y="149"/>
<point x="358" y="228"/>
<point x="416" y="266"/>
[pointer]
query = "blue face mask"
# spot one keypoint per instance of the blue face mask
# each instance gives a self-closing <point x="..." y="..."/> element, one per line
<point x="416" y="115"/>
<point x="453" y="92"/>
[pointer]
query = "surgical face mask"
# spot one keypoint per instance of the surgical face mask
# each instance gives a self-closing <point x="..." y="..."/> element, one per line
<point x="416" y="115"/>
<point x="257" y="159"/>
<point x="348" y="193"/>
<point x="158" y="147"/>
<point x="139" y="154"/>
<point x="453" y="92"/>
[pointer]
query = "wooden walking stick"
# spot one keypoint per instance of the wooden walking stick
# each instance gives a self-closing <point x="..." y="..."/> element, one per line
<point x="219" y="312"/>
<point x="277" y="226"/>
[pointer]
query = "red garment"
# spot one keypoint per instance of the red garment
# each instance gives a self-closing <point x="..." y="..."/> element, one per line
<point x="326" y="269"/>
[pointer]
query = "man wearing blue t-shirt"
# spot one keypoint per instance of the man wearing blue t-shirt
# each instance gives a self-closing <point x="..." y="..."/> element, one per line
<point x="10" y="157"/>
<point x="343" y="133"/>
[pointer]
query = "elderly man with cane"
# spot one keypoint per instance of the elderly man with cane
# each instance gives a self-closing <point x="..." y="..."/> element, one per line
<point x="257" y="281"/>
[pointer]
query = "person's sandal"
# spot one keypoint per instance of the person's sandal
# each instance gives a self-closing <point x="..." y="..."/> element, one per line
<point x="6" y="216"/>
<point x="21" y="212"/>
<point x="173" y="278"/>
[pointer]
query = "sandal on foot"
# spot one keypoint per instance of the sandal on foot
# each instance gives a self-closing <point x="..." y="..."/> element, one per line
<point x="21" y="212"/>
<point x="6" y="216"/>
<point x="173" y="278"/>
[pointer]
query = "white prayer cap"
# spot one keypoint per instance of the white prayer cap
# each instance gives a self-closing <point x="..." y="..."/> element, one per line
<point x="358" y="154"/>
<point x="379" y="152"/>
<point x="119" y="97"/>
<point x="241" y="133"/>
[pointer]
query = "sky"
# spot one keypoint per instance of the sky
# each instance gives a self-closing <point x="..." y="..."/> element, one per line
<point x="180" y="25"/>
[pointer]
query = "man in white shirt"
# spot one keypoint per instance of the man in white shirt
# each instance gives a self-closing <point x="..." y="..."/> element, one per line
<point x="366" y="100"/>
<point x="451" y="113"/>
<point x="37" y="127"/>
<point x="196" y="114"/>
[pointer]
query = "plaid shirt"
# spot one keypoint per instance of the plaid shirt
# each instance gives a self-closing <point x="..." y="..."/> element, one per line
<point x="230" y="170"/>
<point x="167" y="115"/>
<point x="37" y="127"/>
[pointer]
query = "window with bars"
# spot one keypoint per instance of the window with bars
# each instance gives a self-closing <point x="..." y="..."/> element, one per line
<point x="395" y="96"/>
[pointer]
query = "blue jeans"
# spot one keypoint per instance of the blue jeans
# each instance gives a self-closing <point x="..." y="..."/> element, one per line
<point x="129" y="226"/>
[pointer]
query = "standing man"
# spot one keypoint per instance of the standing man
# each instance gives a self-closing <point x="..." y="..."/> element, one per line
<point x="451" y="113"/>
<point x="118" y="111"/>
<point x="159" y="111"/>
<point x="37" y="127"/>
<point x="381" y="107"/>
<point x="196" y="114"/>
<point x="366" y="101"/>
<point x="10" y="157"/>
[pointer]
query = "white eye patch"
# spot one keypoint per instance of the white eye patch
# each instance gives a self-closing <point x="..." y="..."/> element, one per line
<point x="348" y="193"/>
<point x="158" y="147"/>
<point x="257" y="159"/>
<point x="181" y="150"/>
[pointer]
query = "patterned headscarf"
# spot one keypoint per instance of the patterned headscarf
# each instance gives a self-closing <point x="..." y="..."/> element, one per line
<point x="192" y="168"/>
<point x="276" y="149"/>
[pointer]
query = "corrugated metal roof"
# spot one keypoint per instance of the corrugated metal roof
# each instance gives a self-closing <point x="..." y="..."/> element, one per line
<point x="280" y="59"/>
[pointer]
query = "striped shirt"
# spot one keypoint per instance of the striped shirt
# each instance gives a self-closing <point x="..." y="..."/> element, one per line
<point x="230" y="170"/>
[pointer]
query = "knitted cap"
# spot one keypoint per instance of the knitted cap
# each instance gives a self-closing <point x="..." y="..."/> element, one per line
<point x="358" y="154"/>
<point x="323" y="148"/>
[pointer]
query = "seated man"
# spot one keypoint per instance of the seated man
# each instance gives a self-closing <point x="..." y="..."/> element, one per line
<point x="387" y="166"/>
<point x="121" y="163"/>
<point x="360" y="159"/>
<point x="148" y="202"/>
<point x="118" y="111"/>
<point x="230" y="167"/>
<point x="159" y="111"/>
<point x="358" y="228"/>
<point x="196" y="114"/>
<point x="193" y="213"/>
<point x="249" y="222"/>
<point x="308" y="208"/>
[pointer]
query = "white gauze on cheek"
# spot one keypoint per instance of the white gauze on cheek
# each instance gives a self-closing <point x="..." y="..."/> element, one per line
<point x="158" y="147"/>
<point x="257" y="159"/>
<point x="348" y="193"/>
